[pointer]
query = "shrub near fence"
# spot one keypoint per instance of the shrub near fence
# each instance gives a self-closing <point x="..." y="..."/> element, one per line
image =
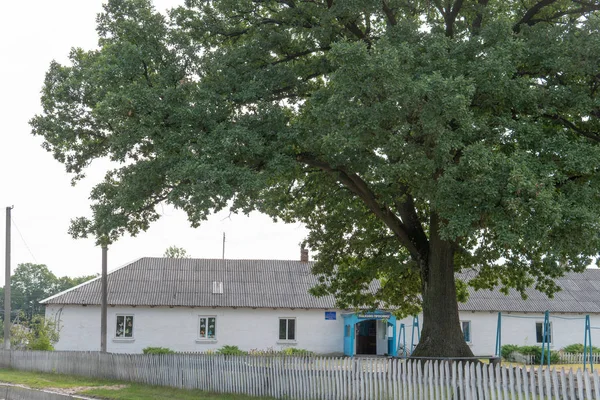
<point x="560" y="358"/>
<point x="315" y="377"/>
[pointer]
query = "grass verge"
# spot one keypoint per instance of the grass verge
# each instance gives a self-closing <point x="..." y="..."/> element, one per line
<point x="107" y="389"/>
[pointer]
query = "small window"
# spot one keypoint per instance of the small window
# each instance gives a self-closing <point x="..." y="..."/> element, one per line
<point x="124" y="326"/>
<point x="208" y="328"/>
<point x="287" y="329"/>
<point x="217" y="287"/>
<point x="347" y="331"/>
<point x="466" y="329"/>
<point x="539" y="332"/>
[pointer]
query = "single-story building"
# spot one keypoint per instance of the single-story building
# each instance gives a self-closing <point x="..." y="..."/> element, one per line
<point x="195" y="305"/>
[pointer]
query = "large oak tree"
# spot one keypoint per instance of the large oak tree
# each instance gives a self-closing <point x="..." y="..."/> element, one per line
<point x="415" y="139"/>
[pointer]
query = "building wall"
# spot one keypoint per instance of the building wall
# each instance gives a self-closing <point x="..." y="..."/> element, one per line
<point x="177" y="328"/>
<point x="520" y="329"/>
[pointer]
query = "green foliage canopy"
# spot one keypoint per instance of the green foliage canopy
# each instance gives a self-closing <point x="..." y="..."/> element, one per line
<point x="35" y="334"/>
<point x="391" y="128"/>
<point x="31" y="283"/>
<point x="175" y="252"/>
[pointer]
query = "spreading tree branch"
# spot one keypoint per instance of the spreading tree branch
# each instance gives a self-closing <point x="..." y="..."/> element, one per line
<point x="476" y="26"/>
<point x="389" y="13"/>
<point x="532" y="12"/>
<point x="360" y="188"/>
<point x="595" y="136"/>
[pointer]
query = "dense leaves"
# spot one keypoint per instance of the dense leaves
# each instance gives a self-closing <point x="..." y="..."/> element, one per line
<point x="175" y="252"/>
<point x="412" y="138"/>
<point x="35" y="334"/>
<point x="31" y="283"/>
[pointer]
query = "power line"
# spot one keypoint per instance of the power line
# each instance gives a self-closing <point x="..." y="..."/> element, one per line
<point x="23" y="239"/>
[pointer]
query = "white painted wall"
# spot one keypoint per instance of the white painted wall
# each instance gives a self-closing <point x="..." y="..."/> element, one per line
<point x="519" y="329"/>
<point x="177" y="329"/>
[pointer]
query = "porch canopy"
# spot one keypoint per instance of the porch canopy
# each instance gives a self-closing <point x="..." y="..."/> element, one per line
<point x="352" y="319"/>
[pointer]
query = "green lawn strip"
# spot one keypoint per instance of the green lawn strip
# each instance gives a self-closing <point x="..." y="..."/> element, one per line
<point x="41" y="380"/>
<point x="142" y="392"/>
<point x="109" y="389"/>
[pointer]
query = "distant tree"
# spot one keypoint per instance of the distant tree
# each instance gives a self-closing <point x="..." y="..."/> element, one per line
<point x="37" y="334"/>
<point x="66" y="282"/>
<point x="175" y="252"/>
<point x="30" y="284"/>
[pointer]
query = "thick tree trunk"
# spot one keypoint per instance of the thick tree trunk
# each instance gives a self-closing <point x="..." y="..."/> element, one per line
<point x="441" y="335"/>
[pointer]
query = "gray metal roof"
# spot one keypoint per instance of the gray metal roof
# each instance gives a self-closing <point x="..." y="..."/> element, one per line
<point x="285" y="284"/>
<point x="580" y="294"/>
<point x="189" y="282"/>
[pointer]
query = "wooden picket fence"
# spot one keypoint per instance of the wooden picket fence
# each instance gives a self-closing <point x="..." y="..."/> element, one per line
<point x="328" y="378"/>
<point x="577" y="358"/>
<point x="564" y="358"/>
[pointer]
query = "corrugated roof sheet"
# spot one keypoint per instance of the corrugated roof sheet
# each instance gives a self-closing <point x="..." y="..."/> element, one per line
<point x="189" y="282"/>
<point x="285" y="284"/>
<point x="580" y="294"/>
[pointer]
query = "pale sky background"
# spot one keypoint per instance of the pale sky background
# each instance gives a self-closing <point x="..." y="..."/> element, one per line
<point x="32" y="34"/>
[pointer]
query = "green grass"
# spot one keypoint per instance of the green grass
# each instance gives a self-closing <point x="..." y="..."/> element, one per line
<point x="141" y="392"/>
<point x="42" y="381"/>
<point x="108" y="389"/>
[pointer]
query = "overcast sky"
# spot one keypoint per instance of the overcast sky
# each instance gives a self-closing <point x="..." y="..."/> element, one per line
<point x="32" y="34"/>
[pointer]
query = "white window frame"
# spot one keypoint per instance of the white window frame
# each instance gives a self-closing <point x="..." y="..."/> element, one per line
<point x="125" y="316"/>
<point x="217" y="287"/>
<point x="205" y="338"/>
<point x="287" y="332"/>
<point x="470" y="330"/>
<point x="551" y="332"/>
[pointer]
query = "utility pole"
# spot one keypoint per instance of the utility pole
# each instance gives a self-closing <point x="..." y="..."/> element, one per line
<point x="104" y="300"/>
<point x="7" y="283"/>
<point x="223" y="245"/>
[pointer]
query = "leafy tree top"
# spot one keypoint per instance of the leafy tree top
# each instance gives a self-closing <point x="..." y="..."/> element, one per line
<point x="391" y="128"/>
<point x="175" y="252"/>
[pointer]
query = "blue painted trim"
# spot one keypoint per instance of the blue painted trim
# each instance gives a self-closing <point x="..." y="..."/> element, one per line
<point x="402" y="341"/>
<point x="415" y="325"/>
<point x="545" y="339"/>
<point x="499" y="336"/>
<point x="587" y="344"/>
<point x="350" y="321"/>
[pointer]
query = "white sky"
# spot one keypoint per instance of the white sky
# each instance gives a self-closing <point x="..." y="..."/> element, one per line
<point x="32" y="34"/>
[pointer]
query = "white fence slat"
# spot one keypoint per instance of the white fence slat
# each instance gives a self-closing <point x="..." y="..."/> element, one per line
<point x="504" y="379"/>
<point x="571" y="384"/>
<point x="453" y="388"/>
<point x="406" y="394"/>
<point x="327" y="378"/>
<point x="588" y="386"/>
<point x="486" y="383"/>
<point x="413" y="393"/>
<point x="461" y="385"/>
<point x="511" y="382"/>
<point x="424" y="368"/>
<point x="533" y="384"/>
<point x="555" y="386"/>
<point x="479" y="381"/>
<point x="370" y="387"/>
<point x="518" y="383"/>
<point x="579" y="384"/>
<point x="563" y="383"/>
<point x="596" y="384"/>
<point x="472" y="380"/>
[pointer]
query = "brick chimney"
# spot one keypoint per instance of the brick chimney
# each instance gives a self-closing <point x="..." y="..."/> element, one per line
<point x="303" y="254"/>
